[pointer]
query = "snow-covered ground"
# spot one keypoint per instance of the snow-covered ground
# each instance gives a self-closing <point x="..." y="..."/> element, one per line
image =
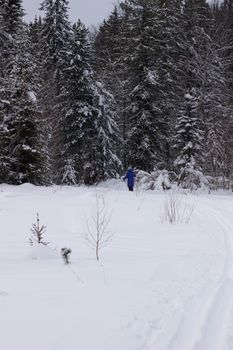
<point x="157" y="286"/>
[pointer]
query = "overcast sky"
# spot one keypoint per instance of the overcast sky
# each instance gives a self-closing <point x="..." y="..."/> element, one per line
<point x="91" y="12"/>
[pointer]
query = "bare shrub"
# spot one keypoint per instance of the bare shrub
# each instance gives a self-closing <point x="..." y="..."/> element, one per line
<point x="38" y="232"/>
<point x="176" y="209"/>
<point x="98" y="234"/>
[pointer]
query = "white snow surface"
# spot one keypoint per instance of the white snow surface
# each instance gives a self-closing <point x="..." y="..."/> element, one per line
<point x="32" y="96"/>
<point x="157" y="286"/>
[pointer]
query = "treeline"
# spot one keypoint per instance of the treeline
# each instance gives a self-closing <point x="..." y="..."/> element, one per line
<point x="151" y="88"/>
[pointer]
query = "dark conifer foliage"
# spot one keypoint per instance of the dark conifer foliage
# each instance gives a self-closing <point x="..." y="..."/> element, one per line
<point x="76" y="101"/>
<point x="35" y="46"/>
<point x="111" y="62"/>
<point x="107" y="139"/>
<point x="13" y="16"/>
<point x="223" y="13"/>
<point x="152" y="88"/>
<point x="91" y="132"/>
<point x="4" y="44"/>
<point x="21" y="158"/>
<point x="154" y="40"/>
<point x="74" y="108"/>
<point x="55" y="36"/>
<point x="188" y="142"/>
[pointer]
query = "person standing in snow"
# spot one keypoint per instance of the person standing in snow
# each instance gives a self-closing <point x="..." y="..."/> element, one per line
<point x="130" y="176"/>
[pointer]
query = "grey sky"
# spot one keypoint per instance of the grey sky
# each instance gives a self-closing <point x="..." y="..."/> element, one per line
<point x="91" y="12"/>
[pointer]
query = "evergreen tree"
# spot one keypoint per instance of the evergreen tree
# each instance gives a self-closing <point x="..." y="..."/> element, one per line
<point x="154" y="33"/>
<point x="111" y="63"/>
<point x="158" y="72"/>
<point x="142" y="142"/>
<point x="55" y="37"/>
<point x="89" y="127"/>
<point x="3" y="32"/>
<point x="106" y="163"/>
<point x="188" y="143"/>
<point x="4" y="44"/>
<point x="204" y="70"/>
<point x="35" y="30"/>
<point x="13" y="15"/>
<point x="215" y="96"/>
<point x="21" y="158"/>
<point x="76" y="102"/>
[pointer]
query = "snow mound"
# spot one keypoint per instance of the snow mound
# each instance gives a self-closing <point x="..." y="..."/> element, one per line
<point x="43" y="252"/>
<point x="113" y="184"/>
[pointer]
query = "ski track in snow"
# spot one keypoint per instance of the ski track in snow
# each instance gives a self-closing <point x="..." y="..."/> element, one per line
<point x="181" y="297"/>
<point x="207" y="315"/>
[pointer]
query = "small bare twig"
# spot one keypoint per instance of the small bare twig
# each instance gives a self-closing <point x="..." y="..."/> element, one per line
<point x="175" y="209"/>
<point x="98" y="234"/>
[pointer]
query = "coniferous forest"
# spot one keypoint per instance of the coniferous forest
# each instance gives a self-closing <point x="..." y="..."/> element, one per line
<point x="152" y="87"/>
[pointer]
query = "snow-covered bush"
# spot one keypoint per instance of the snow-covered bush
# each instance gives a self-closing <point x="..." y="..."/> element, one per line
<point x="219" y="182"/>
<point x="156" y="180"/>
<point x="191" y="178"/>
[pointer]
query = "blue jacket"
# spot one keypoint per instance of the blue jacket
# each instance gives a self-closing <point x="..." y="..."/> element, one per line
<point x="130" y="177"/>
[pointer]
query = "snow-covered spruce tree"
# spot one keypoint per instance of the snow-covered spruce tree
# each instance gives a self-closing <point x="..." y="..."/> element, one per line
<point x="188" y="144"/>
<point x="35" y="30"/>
<point x="215" y="95"/>
<point x="35" y="47"/>
<point x="14" y="14"/>
<point x="108" y="48"/>
<point x="111" y="58"/>
<point x="55" y="37"/>
<point x="4" y="40"/>
<point x="224" y="22"/>
<point x="3" y="35"/>
<point x="5" y="58"/>
<point x="155" y="43"/>
<point x="168" y="52"/>
<point x="90" y="131"/>
<point x="76" y="101"/>
<point x="215" y="157"/>
<point x="204" y="71"/>
<point x="144" y="116"/>
<point x="223" y="12"/>
<point x="106" y="163"/>
<point x="22" y="159"/>
<point x="10" y="21"/>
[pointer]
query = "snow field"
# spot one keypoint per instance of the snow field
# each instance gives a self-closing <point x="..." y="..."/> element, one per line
<point x="157" y="286"/>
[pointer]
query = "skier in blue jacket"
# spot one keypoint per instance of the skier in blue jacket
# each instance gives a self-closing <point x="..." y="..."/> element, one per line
<point x="130" y="176"/>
